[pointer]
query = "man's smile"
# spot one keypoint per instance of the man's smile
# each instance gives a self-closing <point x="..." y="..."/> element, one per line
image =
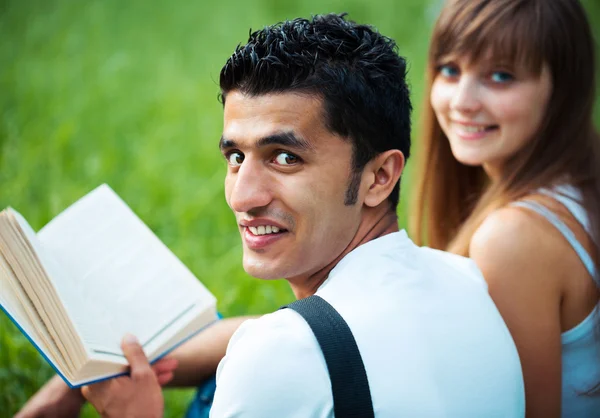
<point x="257" y="237"/>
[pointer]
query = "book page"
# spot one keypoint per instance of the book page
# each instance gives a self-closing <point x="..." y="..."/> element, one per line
<point x="68" y="290"/>
<point x="20" y="309"/>
<point x="130" y="281"/>
<point x="33" y="268"/>
<point x="14" y="306"/>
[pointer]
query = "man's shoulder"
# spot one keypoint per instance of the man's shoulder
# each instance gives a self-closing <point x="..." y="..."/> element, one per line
<point x="396" y="257"/>
<point x="446" y="262"/>
<point x="273" y="365"/>
<point x="282" y="329"/>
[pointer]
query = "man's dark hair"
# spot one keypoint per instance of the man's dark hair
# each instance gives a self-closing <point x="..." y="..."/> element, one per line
<point x="354" y="69"/>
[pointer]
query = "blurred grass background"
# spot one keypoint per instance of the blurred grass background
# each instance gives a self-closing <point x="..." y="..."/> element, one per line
<point x="125" y="93"/>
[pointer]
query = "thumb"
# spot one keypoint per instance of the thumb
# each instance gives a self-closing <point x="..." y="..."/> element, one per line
<point x="135" y="355"/>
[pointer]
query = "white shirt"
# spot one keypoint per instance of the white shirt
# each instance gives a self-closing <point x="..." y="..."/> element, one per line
<point x="431" y="339"/>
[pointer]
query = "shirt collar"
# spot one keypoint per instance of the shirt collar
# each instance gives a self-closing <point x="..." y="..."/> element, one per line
<point x="378" y="245"/>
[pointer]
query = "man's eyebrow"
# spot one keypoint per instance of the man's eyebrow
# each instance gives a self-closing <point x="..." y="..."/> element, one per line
<point x="285" y="139"/>
<point x="225" y="143"/>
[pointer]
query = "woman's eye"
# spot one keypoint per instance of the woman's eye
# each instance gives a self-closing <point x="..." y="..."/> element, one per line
<point x="448" y="71"/>
<point x="501" y="77"/>
<point x="285" y="158"/>
<point x="235" y="158"/>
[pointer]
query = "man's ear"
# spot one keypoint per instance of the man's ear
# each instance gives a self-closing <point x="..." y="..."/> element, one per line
<point x="385" y="170"/>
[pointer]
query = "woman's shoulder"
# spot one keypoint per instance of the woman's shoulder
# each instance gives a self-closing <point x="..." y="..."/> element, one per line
<point x="511" y="228"/>
<point x="516" y="241"/>
<point x="532" y="221"/>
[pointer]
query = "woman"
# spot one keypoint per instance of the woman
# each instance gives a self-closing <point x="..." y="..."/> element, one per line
<point x="510" y="176"/>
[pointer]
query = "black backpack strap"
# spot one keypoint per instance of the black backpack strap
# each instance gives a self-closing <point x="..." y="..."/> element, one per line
<point x="349" y="383"/>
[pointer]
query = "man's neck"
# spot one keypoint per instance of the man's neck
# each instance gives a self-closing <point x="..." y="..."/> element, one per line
<point x="375" y="223"/>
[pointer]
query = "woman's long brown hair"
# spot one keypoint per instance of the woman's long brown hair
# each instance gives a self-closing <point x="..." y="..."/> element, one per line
<point x="452" y="199"/>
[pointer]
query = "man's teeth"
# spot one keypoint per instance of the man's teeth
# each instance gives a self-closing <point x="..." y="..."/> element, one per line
<point x="263" y="229"/>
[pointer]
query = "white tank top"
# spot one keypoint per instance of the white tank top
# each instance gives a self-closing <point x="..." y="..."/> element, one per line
<point x="581" y="344"/>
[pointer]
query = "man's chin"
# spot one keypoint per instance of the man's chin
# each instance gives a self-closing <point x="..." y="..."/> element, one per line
<point x="263" y="271"/>
<point x="263" y="275"/>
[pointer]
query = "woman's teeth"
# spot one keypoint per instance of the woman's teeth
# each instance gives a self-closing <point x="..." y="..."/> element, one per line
<point x="476" y="129"/>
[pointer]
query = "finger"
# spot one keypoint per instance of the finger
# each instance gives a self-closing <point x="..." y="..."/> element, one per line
<point x="97" y="389"/>
<point x="165" y="365"/>
<point x="135" y="356"/>
<point x="86" y="392"/>
<point x="164" y="378"/>
<point x="94" y="395"/>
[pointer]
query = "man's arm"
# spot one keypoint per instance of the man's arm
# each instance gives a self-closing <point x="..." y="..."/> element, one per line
<point x="54" y="399"/>
<point x="199" y="357"/>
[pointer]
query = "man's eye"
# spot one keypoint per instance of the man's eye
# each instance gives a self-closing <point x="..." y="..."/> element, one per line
<point x="448" y="71"/>
<point x="501" y="77"/>
<point x="285" y="158"/>
<point x="235" y="158"/>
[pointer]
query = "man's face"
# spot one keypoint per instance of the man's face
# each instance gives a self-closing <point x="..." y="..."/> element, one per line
<point x="286" y="181"/>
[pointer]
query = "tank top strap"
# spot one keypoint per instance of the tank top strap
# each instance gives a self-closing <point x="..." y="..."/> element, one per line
<point x="564" y="230"/>
<point x="571" y="198"/>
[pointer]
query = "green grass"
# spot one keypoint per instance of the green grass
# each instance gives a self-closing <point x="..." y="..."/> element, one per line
<point x="124" y="92"/>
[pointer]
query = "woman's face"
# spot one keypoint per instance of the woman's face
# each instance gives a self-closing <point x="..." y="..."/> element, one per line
<point x="488" y="112"/>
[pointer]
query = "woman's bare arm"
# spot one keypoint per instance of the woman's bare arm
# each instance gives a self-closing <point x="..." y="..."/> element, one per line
<point x="520" y="256"/>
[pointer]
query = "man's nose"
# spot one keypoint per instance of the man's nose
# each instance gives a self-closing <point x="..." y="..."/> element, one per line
<point x="250" y="187"/>
<point x="466" y="96"/>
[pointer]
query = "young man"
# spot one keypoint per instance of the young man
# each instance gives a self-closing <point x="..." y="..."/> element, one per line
<point x="316" y="133"/>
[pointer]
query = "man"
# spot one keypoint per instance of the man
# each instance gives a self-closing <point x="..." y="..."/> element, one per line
<point x="316" y="132"/>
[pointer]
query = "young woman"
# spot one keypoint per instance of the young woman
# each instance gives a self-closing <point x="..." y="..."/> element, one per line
<point x="509" y="175"/>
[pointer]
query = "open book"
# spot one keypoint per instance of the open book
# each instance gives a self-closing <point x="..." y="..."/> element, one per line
<point x="91" y="275"/>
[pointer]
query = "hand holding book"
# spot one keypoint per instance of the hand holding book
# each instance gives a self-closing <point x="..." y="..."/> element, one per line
<point x="137" y="395"/>
<point x="90" y="276"/>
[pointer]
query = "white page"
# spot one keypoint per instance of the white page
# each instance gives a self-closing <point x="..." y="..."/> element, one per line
<point x="131" y="281"/>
